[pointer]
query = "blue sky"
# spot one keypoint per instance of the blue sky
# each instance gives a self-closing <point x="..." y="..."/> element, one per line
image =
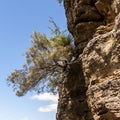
<point x="18" y="20"/>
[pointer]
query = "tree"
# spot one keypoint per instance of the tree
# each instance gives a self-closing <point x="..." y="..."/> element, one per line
<point x="46" y="60"/>
<point x="60" y="1"/>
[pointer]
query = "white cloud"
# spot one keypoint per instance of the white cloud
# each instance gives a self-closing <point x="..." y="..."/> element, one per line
<point x="25" y="118"/>
<point x="48" y="108"/>
<point x="47" y="97"/>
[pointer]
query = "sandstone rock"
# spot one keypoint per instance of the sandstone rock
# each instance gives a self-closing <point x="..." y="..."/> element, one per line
<point x="90" y="89"/>
<point x="72" y="94"/>
<point x="101" y="63"/>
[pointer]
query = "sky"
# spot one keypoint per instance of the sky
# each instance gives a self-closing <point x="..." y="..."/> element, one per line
<point x="18" y="20"/>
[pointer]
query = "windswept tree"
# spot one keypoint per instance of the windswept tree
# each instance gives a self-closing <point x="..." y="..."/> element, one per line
<point x="45" y="61"/>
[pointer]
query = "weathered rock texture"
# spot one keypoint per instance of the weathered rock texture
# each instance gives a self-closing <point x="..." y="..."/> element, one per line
<point x="90" y="89"/>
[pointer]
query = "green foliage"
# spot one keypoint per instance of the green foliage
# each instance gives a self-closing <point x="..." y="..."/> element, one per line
<point x="60" y="1"/>
<point x="45" y="63"/>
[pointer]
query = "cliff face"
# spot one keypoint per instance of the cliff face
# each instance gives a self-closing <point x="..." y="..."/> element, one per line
<point x="90" y="89"/>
